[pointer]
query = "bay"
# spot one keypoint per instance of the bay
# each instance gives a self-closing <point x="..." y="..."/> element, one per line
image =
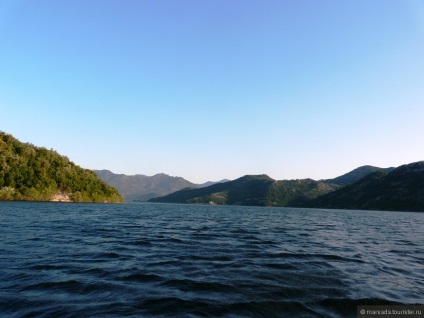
<point x="169" y="260"/>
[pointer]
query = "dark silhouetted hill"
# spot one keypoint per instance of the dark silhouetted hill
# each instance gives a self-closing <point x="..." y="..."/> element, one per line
<point x="356" y="175"/>
<point x="401" y="189"/>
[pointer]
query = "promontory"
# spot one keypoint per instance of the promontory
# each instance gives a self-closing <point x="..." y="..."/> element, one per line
<point x="30" y="173"/>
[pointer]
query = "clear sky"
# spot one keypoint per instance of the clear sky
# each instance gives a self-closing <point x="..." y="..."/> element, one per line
<point x="216" y="89"/>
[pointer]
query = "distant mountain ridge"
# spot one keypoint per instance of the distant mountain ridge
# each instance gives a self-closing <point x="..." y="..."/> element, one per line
<point x="256" y="190"/>
<point x="37" y="174"/>
<point x="367" y="187"/>
<point x="141" y="188"/>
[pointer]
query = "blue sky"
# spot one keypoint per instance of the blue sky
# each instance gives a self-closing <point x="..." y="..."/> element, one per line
<point x="216" y="89"/>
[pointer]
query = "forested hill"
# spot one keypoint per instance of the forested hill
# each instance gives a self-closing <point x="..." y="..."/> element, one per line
<point x="31" y="173"/>
<point x="396" y="189"/>
<point x="356" y="175"/>
<point x="401" y="189"/>
<point x="260" y="190"/>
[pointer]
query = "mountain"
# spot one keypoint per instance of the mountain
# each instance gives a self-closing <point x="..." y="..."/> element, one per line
<point x="142" y="188"/>
<point x="209" y="183"/>
<point x="356" y="175"/>
<point x="259" y="190"/>
<point x="279" y="193"/>
<point x="401" y="189"/>
<point x="31" y="173"/>
<point x="367" y="187"/>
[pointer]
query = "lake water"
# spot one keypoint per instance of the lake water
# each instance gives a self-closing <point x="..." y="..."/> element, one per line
<point x="166" y="260"/>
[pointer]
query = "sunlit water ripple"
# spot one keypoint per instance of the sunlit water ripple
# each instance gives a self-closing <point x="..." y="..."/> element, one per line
<point x="145" y="260"/>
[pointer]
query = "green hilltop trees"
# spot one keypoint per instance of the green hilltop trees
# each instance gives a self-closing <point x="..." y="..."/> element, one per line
<point x="31" y="173"/>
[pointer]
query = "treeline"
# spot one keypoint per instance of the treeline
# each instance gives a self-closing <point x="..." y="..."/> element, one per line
<point x="33" y="173"/>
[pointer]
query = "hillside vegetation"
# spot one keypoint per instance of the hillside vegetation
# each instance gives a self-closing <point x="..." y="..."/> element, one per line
<point x="259" y="190"/>
<point x="401" y="189"/>
<point x="365" y="188"/>
<point x="33" y="173"/>
<point x="142" y="188"/>
<point x="356" y="175"/>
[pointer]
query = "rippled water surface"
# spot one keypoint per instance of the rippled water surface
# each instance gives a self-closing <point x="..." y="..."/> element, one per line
<point x="146" y="260"/>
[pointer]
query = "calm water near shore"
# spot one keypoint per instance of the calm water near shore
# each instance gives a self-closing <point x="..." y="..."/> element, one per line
<point x="169" y="260"/>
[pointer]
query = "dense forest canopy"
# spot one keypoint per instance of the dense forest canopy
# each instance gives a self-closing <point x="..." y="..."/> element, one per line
<point x="33" y="173"/>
